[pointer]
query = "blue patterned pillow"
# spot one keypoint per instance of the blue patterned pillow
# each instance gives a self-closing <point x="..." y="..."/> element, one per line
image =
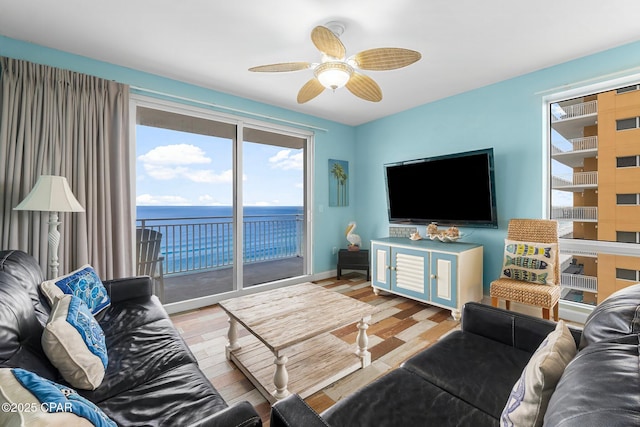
<point x="43" y="402"/>
<point x="75" y="344"/>
<point x="86" y="285"/>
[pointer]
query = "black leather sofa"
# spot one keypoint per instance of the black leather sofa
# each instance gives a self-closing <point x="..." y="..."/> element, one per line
<point x="465" y="378"/>
<point x="152" y="378"/>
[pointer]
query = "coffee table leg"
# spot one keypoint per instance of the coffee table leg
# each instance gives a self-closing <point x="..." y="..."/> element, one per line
<point x="281" y="377"/>
<point x="363" y="341"/>
<point x="232" y="336"/>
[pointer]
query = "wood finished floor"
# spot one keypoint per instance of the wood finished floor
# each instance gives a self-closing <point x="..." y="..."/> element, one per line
<point x="401" y="328"/>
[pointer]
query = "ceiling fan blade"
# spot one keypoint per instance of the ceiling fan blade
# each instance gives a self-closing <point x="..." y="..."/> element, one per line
<point x="284" y="66"/>
<point x="327" y="42"/>
<point x="364" y="87"/>
<point x="386" y="58"/>
<point x="310" y="90"/>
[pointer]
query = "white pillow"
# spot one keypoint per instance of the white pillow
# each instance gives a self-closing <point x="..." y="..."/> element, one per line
<point x="531" y="394"/>
<point x="530" y="262"/>
<point x="74" y="343"/>
<point x="21" y="394"/>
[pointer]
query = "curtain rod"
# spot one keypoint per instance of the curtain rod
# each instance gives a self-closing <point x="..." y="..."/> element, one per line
<point x="629" y="72"/>
<point x="144" y="91"/>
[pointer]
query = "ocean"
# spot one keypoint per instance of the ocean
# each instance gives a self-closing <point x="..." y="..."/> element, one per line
<point x="201" y="237"/>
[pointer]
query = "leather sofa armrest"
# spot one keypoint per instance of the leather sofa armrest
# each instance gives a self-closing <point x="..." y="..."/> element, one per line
<point x="239" y="415"/>
<point x="129" y="288"/>
<point x="508" y="327"/>
<point x="293" y="411"/>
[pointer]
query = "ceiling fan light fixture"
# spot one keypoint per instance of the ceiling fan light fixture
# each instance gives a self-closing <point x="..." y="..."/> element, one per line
<point x="333" y="75"/>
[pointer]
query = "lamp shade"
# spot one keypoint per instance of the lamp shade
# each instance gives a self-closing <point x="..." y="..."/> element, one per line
<point x="50" y="194"/>
<point x="333" y="75"/>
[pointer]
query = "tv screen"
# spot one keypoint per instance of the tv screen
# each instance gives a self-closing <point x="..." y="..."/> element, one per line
<point x="455" y="189"/>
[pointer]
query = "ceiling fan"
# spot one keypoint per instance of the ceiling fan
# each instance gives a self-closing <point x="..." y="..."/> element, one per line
<point x="336" y="70"/>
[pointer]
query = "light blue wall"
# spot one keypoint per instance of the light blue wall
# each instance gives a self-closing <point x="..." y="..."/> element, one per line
<point x="336" y="143"/>
<point x="506" y="116"/>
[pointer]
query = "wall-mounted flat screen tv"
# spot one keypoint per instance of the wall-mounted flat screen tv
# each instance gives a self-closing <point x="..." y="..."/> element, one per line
<point x="455" y="189"/>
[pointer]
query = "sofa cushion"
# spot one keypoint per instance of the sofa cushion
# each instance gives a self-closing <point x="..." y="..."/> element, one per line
<point x="616" y="317"/>
<point x="86" y="285"/>
<point x="176" y="397"/>
<point x="24" y="271"/>
<point x="30" y="400"/>
<point x="75" y="344"/>
<point x="529" y="261"/>
<point x="402" y="398"/>
<point x="599" y="387"/>
<point x="478" y="370"/>
<point x="138" y="355"/>
<point x="530" y="395"/>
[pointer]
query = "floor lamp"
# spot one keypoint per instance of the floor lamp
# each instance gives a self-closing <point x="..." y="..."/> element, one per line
<point x="51" y="194"/>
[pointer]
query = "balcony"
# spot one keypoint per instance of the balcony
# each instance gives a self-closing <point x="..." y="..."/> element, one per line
<point x="199" y="255"/>
<point x="580" y="213"/>
<point x="573" y="152"/>
<point x="571" y="120"/>
<point x="573" y="111"/>
<point x="579" y="282"/>
<point x="576" y="182"/>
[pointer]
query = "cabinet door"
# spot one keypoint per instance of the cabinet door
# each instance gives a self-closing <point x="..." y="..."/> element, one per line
<point x="380" y="266"/>
<point x="443" y="279"/>
<point x="409" y="272"/>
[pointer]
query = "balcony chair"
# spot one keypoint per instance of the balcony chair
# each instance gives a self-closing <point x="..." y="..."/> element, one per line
<point x="540" y="295"/>
<point x="148" y="259"/>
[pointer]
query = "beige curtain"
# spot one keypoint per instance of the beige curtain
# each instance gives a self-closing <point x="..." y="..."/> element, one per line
<point x="57" y="122"/>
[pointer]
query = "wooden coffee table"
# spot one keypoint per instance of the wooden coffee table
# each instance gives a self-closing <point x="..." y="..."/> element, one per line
<point x="294" y="324"/>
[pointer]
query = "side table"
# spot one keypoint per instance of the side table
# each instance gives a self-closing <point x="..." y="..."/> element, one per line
<point x="354" y="260"/>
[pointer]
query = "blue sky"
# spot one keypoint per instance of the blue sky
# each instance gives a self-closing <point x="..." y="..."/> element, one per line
<point x="182" y="169"/>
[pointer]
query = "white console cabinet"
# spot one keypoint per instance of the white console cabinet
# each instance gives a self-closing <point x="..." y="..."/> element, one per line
<point x="442" y="274"/>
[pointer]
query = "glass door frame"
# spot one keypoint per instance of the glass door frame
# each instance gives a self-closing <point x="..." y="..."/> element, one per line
<point x="208" y="112"/>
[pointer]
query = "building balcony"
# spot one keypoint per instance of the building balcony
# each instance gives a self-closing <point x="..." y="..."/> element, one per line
<point x="573" y="111"/>
<point x="572" y="152"/>
<point x="577" y="213"/>
<point x="570" y="120"/>
<point x="576" y="182"/>
<point x="579" y="282"/>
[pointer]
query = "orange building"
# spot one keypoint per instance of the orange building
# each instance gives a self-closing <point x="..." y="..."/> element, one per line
<point x="595" y="191"/>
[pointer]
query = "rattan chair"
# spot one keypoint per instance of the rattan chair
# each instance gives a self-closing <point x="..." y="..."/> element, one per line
<point x="148" y="259"/>
<point x="545" y="296"/>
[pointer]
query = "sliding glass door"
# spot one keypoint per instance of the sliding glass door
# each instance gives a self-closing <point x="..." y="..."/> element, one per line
<point x="226" y="198"/>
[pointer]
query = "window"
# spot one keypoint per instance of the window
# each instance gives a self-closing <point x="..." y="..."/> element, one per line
<point x="582" y="133"/>
<point x="628" y="236"/>
<point x="624" y="124"/>
<point x="628" y="89"/>
<point x="627" y="199"/>
<point x="626" y="274"/>
<point x="627" y="161"/>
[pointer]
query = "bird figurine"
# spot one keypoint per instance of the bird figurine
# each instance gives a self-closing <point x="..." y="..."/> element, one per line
<point x="354" y="239"/>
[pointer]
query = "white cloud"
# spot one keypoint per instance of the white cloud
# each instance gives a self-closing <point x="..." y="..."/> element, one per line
<point x="208" y="200"/>
<point x="148" y="199"/>
<point x="175" y="154"/>
<point x="284" y="160"/>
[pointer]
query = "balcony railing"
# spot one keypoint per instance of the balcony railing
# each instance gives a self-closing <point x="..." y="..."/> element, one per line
<point x="580" y="213"/>
<point x="206" y="243"/>
<point x="578" y="179"/>
<point x="579" y="282"/>
<point x="576" y="144"/>
<point x="576" y="110"/>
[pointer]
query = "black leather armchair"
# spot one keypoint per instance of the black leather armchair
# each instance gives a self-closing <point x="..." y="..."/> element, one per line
<point x="152" y="377"/>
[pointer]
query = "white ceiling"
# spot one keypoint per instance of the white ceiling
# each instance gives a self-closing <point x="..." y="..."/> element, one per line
<point x="465" y="44"/>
